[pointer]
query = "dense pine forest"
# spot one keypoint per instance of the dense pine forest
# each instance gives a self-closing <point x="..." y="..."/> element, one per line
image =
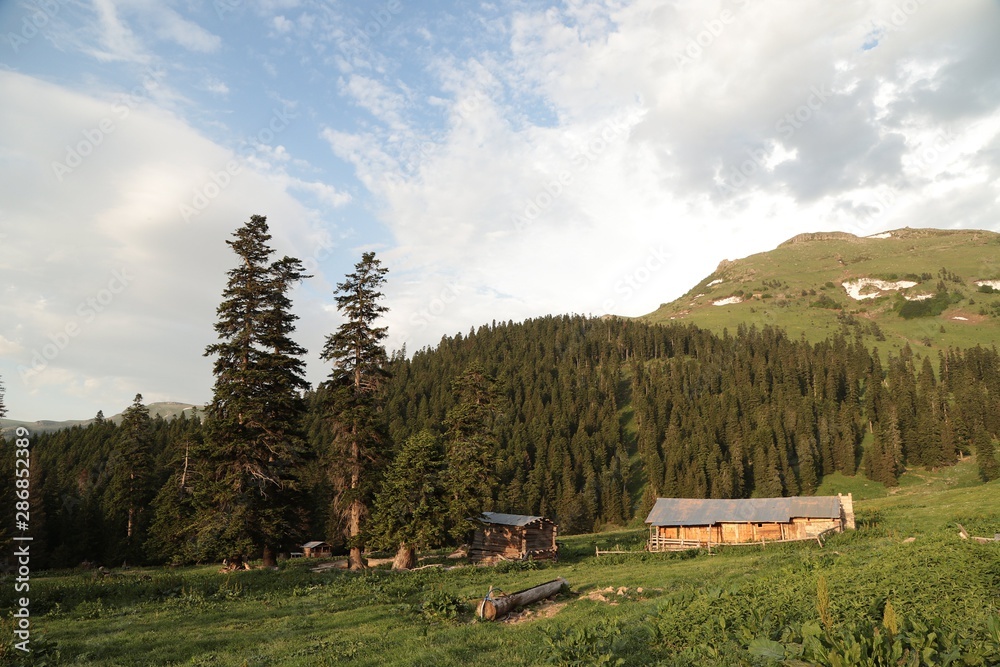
<point x="585" y="420"/>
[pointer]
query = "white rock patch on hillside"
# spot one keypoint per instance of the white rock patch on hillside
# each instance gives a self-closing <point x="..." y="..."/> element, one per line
<point x="917" y="297"/>
<point x="995" y="284"/>
<point x="728" y="301"/>
<point x="716" y="282"/>
<point x="854" y="288"/>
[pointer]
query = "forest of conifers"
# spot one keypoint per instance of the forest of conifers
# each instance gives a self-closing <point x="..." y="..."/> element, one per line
<point x="596" y="418"/>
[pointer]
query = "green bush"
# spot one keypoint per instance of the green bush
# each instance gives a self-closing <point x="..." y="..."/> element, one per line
<point x="584" y="646"/>
<point x="825" y="301"/>
<point x="931" y="307"/>
<point x="441" y="606"/>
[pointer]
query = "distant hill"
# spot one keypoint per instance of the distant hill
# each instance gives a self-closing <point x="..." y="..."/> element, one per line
<point x="166" y="410"/>
<point x="818" y="284"/>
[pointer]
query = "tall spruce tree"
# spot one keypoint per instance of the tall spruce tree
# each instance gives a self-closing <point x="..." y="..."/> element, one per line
<point x="986" y="457"/>
<point x="131" y="469"/>
<point x="253" y="444"/>
<point x="409" y="511"/>
<point x="471" y="444"/>
<point x="359" y="368"/>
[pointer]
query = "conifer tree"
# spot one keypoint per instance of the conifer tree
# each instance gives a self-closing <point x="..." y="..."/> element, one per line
<point x="986" y="457"/>
<point x="883" y="460"/>
<point x="253" y="446"/>
<point x="410" y="507"/>
<point x="359" y="369"/>
<point x="131" y="467"/>
<point x="471" y="447"/>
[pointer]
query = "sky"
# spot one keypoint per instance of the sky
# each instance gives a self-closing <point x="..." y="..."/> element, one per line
<point x="504" y="160"/>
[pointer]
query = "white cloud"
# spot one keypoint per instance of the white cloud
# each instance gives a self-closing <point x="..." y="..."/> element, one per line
<point x="744" y="125"/>
<point x="324" y="192"/>
<point x="377" y="99"/>
<point x="282" y="25"/>
<point x="171" y="26"/>
<point x="118" y="42"/>
<point x="216" y="87"/>
<point x="104" y="281"/>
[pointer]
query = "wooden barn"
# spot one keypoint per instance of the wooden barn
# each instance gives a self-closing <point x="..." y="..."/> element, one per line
<point x="687" y="523"/>
<point x="513" y="537"/>
<point x="316" y="550"/>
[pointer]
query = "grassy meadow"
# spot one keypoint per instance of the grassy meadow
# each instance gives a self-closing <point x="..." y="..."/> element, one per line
<point x="742" y="606"/>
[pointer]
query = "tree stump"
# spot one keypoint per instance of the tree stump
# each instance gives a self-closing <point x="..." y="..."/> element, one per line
<point x="406" y="558"/>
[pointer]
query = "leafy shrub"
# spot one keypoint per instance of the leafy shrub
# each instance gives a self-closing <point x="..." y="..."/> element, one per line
<point x="441" y="606"/>
<point x="584" y="646"/>
<point x="507" y="566"/>
<point x="825" y="301"/>
<point x="43" y="653"/>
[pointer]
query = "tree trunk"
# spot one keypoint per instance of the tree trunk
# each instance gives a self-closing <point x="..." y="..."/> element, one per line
<point x="357" y="561"/>
<point x="492" y="608"/>
<point x="406" y="557"/>
<point x="269" y="559"/>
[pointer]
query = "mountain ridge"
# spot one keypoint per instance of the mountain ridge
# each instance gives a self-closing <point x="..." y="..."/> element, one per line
<point x="819" y="283"/>
<point x="164" y="409"/>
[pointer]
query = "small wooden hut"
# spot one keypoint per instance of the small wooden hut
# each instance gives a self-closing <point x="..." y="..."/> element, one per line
<point x="689" y="523"/>
<point x="513" y="537"/>
<point x="316" y="550"/>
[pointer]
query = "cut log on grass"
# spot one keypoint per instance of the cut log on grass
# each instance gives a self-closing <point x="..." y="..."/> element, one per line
<point x="492" y="608"/>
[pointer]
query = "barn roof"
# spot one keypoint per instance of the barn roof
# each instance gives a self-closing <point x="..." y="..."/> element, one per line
<point x="313" y="545"/>
<point x="710" y="511"/>
<point x="508" y="519"/>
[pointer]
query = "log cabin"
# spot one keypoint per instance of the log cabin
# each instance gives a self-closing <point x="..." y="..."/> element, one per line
<point x="689" y="523"/>
<point x="513" y="537"/>
<point x="316" y="550"/>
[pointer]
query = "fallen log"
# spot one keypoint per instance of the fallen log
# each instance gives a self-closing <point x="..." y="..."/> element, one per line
<point x="492" y="608"/>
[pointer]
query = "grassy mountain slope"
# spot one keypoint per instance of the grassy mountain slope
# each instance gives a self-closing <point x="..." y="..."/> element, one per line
<point x="798" y="285"/>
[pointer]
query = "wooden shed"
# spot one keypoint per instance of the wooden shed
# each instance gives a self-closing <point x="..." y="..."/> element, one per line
<point x="688" y="523"/>
<point x="316" y="550"/>
<point x="513" y="537"/>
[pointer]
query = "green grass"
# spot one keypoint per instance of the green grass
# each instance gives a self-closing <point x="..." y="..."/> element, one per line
<point x="694" y="608"/>
<point x="859" y="486"/>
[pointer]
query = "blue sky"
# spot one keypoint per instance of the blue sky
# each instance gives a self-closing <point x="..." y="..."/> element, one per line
<point x="505" y="160"/>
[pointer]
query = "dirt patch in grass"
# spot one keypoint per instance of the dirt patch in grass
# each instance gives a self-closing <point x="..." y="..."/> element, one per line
<point x="544" y="609"/>
<point x="333" y="565"/>
<point x="613" y="596"/>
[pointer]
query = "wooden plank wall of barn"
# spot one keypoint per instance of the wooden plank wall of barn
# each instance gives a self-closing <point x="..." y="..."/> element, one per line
<point x="738" y="533"/>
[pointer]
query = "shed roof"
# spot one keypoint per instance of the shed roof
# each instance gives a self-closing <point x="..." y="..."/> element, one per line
<point x="499" y="518"/>
<point x="710" y="511"/>
<point x="313" y="545"/>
